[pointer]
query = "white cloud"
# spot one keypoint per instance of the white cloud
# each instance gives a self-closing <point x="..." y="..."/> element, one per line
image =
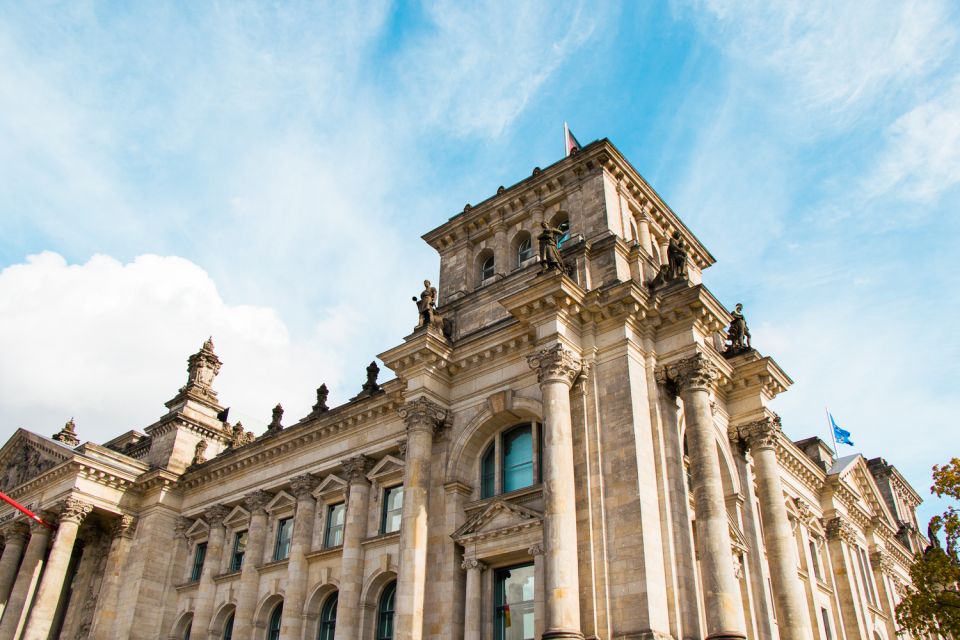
<point x="107" y="343"/>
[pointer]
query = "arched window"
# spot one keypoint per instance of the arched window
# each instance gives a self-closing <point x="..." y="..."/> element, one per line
<point x="511" y="461"/>
<point x="487" y="269"/>
<point x="562" y="222"/>
<point x="228" y="628"/>
<point x="385" y="609"/>
<point x="524" y="250"/>
<point x="328" y="618"/>
<point x="186" y="634"/>
<point x="273" y="629"/>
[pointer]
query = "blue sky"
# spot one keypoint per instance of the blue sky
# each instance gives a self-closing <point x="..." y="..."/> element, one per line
<point x="263" y="173"/>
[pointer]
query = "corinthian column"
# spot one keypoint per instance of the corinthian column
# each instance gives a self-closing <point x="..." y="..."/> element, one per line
<point x="471" y="613"/>
<point x="123" y="530"/>
<point x="354" y="531"/>
<point x="302" y="488"/>
<point x="693" y="377"/>
<point x="761" y="437"/>
<point x="422" y="418"/>
<point x="15" y="538"/>
<point x="256" y="503"/>
<point x="203" y="609"/>
<point x="557" y="368"/>
<point x="51" y="586"/>
<point x="27" y="576"/>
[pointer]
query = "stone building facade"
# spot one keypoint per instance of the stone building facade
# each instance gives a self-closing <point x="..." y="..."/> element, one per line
<point x="569" y="449"/>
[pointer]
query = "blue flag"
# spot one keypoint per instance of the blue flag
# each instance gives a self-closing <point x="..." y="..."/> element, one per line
<point x="842" y="436"/>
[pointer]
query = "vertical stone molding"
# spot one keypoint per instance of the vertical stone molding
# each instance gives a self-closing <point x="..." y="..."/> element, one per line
<point x="301" y="487"/>
<point x="423" y="418"/>
<point x="255" y="503"/>
<point x="557" y="368"/>
<point x="472" y="611"/>
<point x="761" y="437"/>
<point x="72" y="513"/>
<point x="203" y="606"/>
<point x="354" y="531"/>
<point x="693" y="378"/>
<point x="121" y="539"/>
<point x="15" y="537"/>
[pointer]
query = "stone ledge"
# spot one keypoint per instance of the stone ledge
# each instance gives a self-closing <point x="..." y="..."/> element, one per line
<point x="382" y="540"/>
<point x="186" y="586"/>
<point x="226" y="577"/>
<point x="325" y="552"/>
<point x="275" y="564"/>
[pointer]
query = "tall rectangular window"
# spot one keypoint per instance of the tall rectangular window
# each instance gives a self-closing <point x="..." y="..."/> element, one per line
<point x="281" y="549"/>
<point x="199" y="554"/>
<point x="239" y="548"/>
<point x="392" y="509"/>
<point x="815" y="560"/>
<point x="513" y="603"/>
<point x="333" y="537"/>
<point x="826" y="624"/>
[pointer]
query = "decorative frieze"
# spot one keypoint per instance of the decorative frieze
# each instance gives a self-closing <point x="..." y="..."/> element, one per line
<point x="555" y="364"/>
<point x="423" y="414"/>
<point x="690" y="373"/>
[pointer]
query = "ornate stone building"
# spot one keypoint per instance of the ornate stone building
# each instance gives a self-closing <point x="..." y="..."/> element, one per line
<point x="572" y="447"/>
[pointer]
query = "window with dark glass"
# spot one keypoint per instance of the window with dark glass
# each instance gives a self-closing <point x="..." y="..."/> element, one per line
<point x="186" y="634"/>
<point x="239" y="548"/>
<point x="826" y="623"/>
<point x="333" y="537"/>
<point x="281" y="548"/>
<point x="199" y="554"/>
<point x="513" y="603"/>
<point x="392" y="508"/>
<point x="487" y="269"/>
<point x="488" y="481"/>
<point x="524" y="251"/>
<point x="565" y="233"/>
<point x="517" y="445"/>
<point x="273" y="629"/>
<point x="385" y="609"/>
<point x="328" y="618"/>
<point x="228" y="628"/>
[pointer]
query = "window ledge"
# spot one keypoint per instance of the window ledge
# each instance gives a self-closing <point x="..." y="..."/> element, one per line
<point x="325" y="552"/>
<point x="526" y="494"/>
<point x="187" y="586"/>
<point x="226" y="577"/>
<point x="382" y="539"/>
<point x="274" y="564"/>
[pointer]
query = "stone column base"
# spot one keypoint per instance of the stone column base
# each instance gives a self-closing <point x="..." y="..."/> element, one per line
<point x="562" y="634"/>
<point x="726" y="635"/>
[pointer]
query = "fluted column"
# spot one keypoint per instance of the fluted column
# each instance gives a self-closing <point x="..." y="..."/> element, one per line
<point x="110" y="599"/>
<point x="15" y="537"/>
<point x="203" y="609"/>
<point x="557" y="368"/>
<point x="693" y="377"/>
<point x="256" y="503"/>
<point x="354" y="531"/>
<point x="422" y="418"/>
<point x="17" y="604"/>
<point x="302" y="488"/>
<point x="761" y="437"/>
<point x="55" y="572"/>
<point x="471" y="612"/>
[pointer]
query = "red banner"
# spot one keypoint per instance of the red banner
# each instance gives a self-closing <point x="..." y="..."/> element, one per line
<point x="30" y="514"/>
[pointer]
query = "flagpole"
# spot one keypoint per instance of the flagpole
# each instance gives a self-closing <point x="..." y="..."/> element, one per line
<point x="566" y="139"/>
<point x="833" y="435"/>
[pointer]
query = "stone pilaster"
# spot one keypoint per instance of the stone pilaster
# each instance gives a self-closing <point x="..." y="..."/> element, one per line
<point x="557" y="368"/>
<point x="693" y="377"/>
<point x="122" y="538"/>
<point x="45" y="602"/>
<point x="14" y="615"/>
<point x="15" y="537"/>
<point x="761" y="437"/>
<point x="354" y="531"/>
<point x="302" y="488"/>
<point x="539" y="602"/>
<point x="423" y="418"/>
<point x="256" y="503"/>
<point x="472" y="611"/>
<point x="203" y="607"/>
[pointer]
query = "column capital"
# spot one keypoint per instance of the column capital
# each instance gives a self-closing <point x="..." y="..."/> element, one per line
<point x="16" y="531"/>
<point x="556" y="364"/>
<point x="536" y="550"/>
<point x="696" y="372"/>
<point x="473" y="563"/>
<point x="216" y="514"/>
<point x="303" y="485"/>
<point x="759" y="434"/>
<point x="74" y="510"/>
<point x="839" y="528"/>
<point x="882" y="559"/>
<point x="423" y="414"/>
<point x="124" y="526"/>
<point x="257" y="501"/>
<point x="356" y="468"/>
<point x="182" y="525"/>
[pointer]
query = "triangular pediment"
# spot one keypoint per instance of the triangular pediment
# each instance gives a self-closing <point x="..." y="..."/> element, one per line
<point x="239" y="517"/>
<point x="499" y="516"/>
<point x="855" y="475"/>
<point x="387" y="466"/>
<point x="281" y="501"/>
<point x="26" y="456"/>
<point x="198" y="529"/>
<point x="332" y="484"/>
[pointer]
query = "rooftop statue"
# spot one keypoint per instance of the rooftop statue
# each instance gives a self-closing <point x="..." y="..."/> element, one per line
<point x="737" y="333"/>
<point x="322" y="393"/>
<point x="676" y="257"/>
<point x="275" y="426"/>
<point x="370" y="387"/>
<point x="427" y="310"/>
<point x="549" y="253"/>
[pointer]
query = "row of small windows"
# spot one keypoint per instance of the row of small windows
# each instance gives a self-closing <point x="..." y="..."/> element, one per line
<point x="523" y="245"/>
<point x="332" y="536"/>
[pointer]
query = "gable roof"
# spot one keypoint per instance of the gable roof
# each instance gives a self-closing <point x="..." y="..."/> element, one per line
<point x="27" y="455"/>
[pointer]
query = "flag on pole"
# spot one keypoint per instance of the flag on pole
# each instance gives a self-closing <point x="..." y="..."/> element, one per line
<point x="840" y="435"/>
<point x="569" y="141"/>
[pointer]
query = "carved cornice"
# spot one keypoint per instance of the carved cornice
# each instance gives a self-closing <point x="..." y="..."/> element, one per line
<point x="256" y="501"/>
<point x="759" y="434"/>
<point x="74" y="510"/>
<point x="18" y="531"/>
<point x="302" y="486"/>
<point x="423" y="414"/>
<point x="839" y="528"/>
<point x="356" y="468"/>
<point x="556" y="364"/>
<point x="696" y="372"/>
<point x="473" y="564"/>
<point x="214" y="515"/>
